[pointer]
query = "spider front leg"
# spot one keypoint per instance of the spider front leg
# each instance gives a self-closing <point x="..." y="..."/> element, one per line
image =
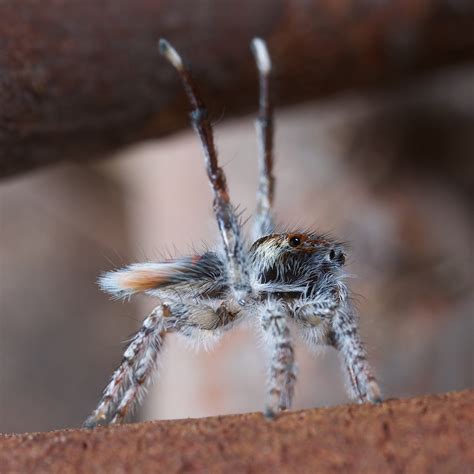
<point x="346" y="338"/>
<point x="326" y="320"/>
<point x="282" y="373"/>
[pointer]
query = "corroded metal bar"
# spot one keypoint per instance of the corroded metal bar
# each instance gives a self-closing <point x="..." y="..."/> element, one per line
<point x="79" y="79"/>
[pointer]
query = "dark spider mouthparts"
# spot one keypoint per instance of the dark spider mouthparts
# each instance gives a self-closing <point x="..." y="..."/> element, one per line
<point x="279" y="278"/>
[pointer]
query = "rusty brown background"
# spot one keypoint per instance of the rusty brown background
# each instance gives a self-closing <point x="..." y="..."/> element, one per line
<point x="422" y="435"/>
<point x="78" y="79"/>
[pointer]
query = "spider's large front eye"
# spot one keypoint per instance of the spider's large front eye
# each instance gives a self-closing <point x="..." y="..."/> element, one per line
<point x="337" y="257"/>
<point x="294" y="241"/>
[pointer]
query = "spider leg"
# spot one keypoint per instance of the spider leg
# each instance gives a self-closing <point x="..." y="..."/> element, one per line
<point x="227" y="219"/>
<point x="130" y="378"/>
<point x="346" y="338"/>
<point x="264" y="223"/>
<point x="330" y="321"/>
<point x="282" y="374"/>
<point x="129" y="381"/>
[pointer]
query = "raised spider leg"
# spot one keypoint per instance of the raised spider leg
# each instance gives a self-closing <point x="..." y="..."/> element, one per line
<point x="264" y="223"/>
<point x="227" y="219"/>
<point x="129" y="381"/>
<point x="282" y="373"/>
<point x="346" y="338"/>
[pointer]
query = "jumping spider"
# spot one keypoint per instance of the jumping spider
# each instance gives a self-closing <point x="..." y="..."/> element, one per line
<point x="283" y="280"/>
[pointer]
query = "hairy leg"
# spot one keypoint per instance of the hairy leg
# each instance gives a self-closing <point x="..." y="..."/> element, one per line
<point x="346" y="338"/>
<point x="129" y="381"/>
<point x="227" y="219"/>
<point x="328" y="321"/>
<point x="264" y="223"/>
<point x="282" y="373"/>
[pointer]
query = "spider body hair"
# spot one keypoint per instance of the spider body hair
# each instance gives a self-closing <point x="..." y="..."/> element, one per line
<point x="205" y="272"/>
<point x="274" y="260"/>
<point x="285" y="282"/>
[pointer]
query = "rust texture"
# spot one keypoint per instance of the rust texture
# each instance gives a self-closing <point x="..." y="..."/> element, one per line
<point x="426" y="434"/>
<point x="78" y="79"/>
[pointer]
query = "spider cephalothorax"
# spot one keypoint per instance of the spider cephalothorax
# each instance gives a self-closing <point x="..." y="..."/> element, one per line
<point x="295" y="260"/>
<point x="283" y="279"/>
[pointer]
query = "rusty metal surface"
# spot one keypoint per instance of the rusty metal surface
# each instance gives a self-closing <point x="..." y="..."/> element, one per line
<point x="419" y="435"/>
<point x="78" y="79"/>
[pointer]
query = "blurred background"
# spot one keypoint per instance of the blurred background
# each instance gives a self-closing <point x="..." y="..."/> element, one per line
<point x="389" y="169"/>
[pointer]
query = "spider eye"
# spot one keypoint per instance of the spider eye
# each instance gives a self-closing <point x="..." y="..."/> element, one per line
<point x="294" y="241"/>
<point x="337" y="257"/>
